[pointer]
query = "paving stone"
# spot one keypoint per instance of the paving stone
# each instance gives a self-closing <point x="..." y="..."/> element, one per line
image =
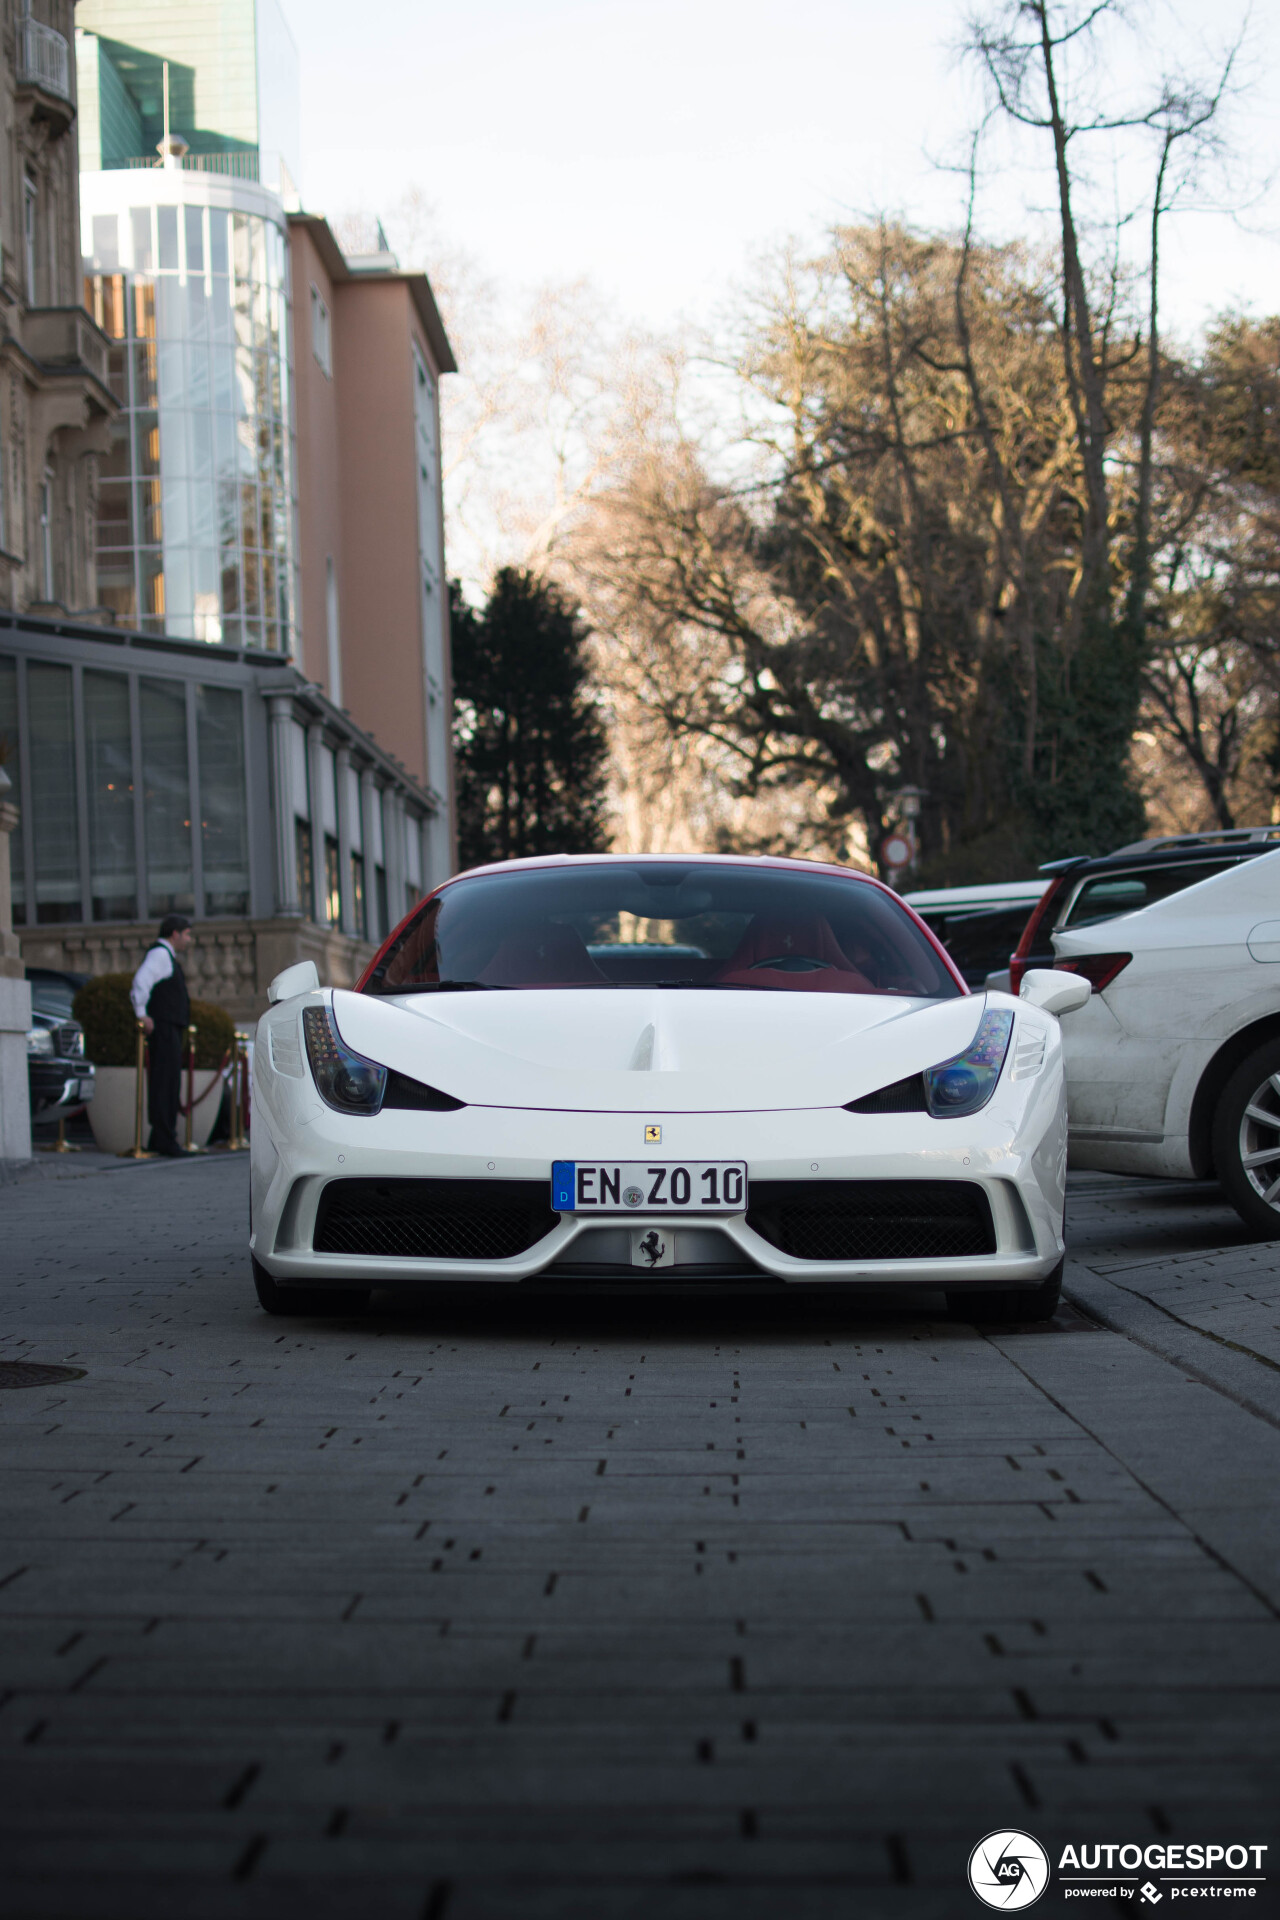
<point x="558" y="1608"/>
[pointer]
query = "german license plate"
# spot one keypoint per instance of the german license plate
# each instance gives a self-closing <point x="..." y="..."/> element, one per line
<point x="649" y="1186"/>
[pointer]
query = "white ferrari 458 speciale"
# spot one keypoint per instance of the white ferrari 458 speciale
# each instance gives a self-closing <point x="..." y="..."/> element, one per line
<point x="707" y="1069"/>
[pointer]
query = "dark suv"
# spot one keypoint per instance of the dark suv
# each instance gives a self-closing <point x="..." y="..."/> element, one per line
<point x="58" y="1075"/>
<point x="1086" y="891"/>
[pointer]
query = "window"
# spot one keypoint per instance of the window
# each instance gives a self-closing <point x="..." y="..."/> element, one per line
<point x="9" y="741"/>
<point x="166" y="795"/>
<point x="167" y="234"/>
<point x="46" y="533"/>
<point x="109" y="760"/>
<point x="106" y="241"/>
<point x="68" y="594"/>
<point x="321" y="332"/>
<point x="30" y="194"/>
<point x="306" y="878"/>
<point x="53" y="793"/>
<point x="412" y="861"/>
<point x="1110" y="895"/>
<point x="224" y="827"/>
<point x="327" y="825"/>
<point x="357" y="896"/>
<point x="332" y="882"/>
<point x="4" y="508"/>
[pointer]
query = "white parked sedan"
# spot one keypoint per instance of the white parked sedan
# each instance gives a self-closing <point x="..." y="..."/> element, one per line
<point x="707" y="1069"/>
<point x="1173" y="1068"/>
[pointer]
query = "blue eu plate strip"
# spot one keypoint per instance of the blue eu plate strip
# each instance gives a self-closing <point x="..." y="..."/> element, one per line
<point x="563" y="1185"/>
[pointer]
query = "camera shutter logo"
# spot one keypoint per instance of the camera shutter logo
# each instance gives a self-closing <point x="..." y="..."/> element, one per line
<point x="1008" y="1870"/>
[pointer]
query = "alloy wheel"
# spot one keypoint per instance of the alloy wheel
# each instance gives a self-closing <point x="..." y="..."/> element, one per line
<point x="1260" y="1141"/>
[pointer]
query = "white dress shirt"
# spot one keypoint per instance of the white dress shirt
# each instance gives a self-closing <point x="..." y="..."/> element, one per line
<point x="157" y="965"/>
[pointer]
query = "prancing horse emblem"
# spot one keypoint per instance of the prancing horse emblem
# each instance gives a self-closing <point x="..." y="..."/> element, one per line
<point x="653" y="1247"/>
<point x="653" y="1136"/>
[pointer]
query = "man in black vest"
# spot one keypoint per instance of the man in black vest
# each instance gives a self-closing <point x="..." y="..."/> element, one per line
<point x="160" y="1000"/>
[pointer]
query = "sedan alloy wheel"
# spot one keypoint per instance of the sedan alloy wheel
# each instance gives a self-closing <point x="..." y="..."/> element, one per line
<point x="1246" y="1140"/>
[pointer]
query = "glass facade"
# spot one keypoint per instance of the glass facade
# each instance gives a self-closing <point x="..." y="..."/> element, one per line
<point x="195" y="529"/>
<point x="113" y="761"/>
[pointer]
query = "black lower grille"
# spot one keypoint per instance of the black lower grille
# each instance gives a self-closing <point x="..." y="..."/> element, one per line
<point x="434" y="1219"/>
<point x="872" y="1219"/>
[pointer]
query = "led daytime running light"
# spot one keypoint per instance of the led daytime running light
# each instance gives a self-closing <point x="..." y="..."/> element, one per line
<point x="963" y="1085"/>
<point x="345" y="1081"/>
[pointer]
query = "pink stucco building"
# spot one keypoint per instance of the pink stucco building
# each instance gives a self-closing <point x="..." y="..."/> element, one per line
<point x="369" y="350"/>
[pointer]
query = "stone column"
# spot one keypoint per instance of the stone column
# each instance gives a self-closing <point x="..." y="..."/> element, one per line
<point x="288" y="904"/>
<point x="342" y="767"/>
<point x="15" y="1005"/>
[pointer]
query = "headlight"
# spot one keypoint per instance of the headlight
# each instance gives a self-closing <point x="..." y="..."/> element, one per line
<point x="960" y="1086"/>
<point x="39" y="1040"/>
<point x="346" y="1081"/>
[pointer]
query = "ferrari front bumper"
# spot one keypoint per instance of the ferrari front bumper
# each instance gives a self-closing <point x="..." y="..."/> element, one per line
<point x="1015" y="1159"/>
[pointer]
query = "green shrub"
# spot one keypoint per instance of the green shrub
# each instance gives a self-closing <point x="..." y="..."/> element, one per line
<point x="215" y="1033"/>
<point x="105" y="1011"/>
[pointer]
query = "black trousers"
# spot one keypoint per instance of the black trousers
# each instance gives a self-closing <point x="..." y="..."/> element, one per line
<point x="164" y="1085"/>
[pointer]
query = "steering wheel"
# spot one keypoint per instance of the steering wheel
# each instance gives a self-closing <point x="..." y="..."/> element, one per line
<point x="791" y="963"/>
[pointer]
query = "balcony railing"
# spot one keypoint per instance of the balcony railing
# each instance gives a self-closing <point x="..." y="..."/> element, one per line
<point x="42" y="58"/>
<point x="241" y="166"/>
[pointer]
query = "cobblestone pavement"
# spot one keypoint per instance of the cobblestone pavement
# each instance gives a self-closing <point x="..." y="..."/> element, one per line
<point x="584" y="1609"/>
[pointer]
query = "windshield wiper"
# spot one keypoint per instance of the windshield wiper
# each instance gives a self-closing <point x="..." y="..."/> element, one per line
<point x="448" y="986"/>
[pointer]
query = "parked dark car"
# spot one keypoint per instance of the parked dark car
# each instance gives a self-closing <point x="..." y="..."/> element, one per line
<point x="1087" y="891"/>
<point x="59" y="1077"/>
<point x="978" y="925"/>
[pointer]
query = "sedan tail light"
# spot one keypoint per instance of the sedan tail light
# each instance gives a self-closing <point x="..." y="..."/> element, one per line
<point x="1099" y="969"/>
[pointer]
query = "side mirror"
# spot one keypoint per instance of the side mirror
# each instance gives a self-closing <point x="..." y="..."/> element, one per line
<point x="301" y="978"/>
<point x="1054" y="991"/>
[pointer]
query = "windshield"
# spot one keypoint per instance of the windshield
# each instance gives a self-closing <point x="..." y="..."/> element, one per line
<point x="664" y="925"/>
<point x="1107" y="896"/>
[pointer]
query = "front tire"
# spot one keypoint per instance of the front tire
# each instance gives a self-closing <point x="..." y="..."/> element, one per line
<point x="1007" y="1306"/>
<point x="306" y="1300"/>
<point x="1246" y="1140"/>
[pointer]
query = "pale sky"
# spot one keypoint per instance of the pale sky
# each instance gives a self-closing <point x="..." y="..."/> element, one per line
<point x="657" y="147"/>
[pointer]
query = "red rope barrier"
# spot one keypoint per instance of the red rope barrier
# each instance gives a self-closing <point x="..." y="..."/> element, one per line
<point x="191" y="1105"/>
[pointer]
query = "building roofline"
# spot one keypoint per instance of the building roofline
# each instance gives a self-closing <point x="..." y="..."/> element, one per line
<point x="424" y="300"/>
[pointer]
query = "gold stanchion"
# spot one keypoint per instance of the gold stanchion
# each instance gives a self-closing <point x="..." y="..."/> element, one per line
<point x="237" y="1143"/>
<point x="136" y="1151"/>
<point x="189" y="1145"/>
<point x="61" y="1144"/>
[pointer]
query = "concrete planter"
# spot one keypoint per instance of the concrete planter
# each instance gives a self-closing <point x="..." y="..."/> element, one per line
<point x="111" y="1111"/>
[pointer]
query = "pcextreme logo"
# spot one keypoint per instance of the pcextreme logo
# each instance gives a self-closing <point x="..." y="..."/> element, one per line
<point x="1008" y="1870"/>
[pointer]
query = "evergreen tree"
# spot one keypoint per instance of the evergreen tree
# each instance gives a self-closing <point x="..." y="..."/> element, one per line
<point x="530" y="743"/>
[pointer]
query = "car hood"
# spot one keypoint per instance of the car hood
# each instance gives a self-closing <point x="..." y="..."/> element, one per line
<point x="670" y="1051"/>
